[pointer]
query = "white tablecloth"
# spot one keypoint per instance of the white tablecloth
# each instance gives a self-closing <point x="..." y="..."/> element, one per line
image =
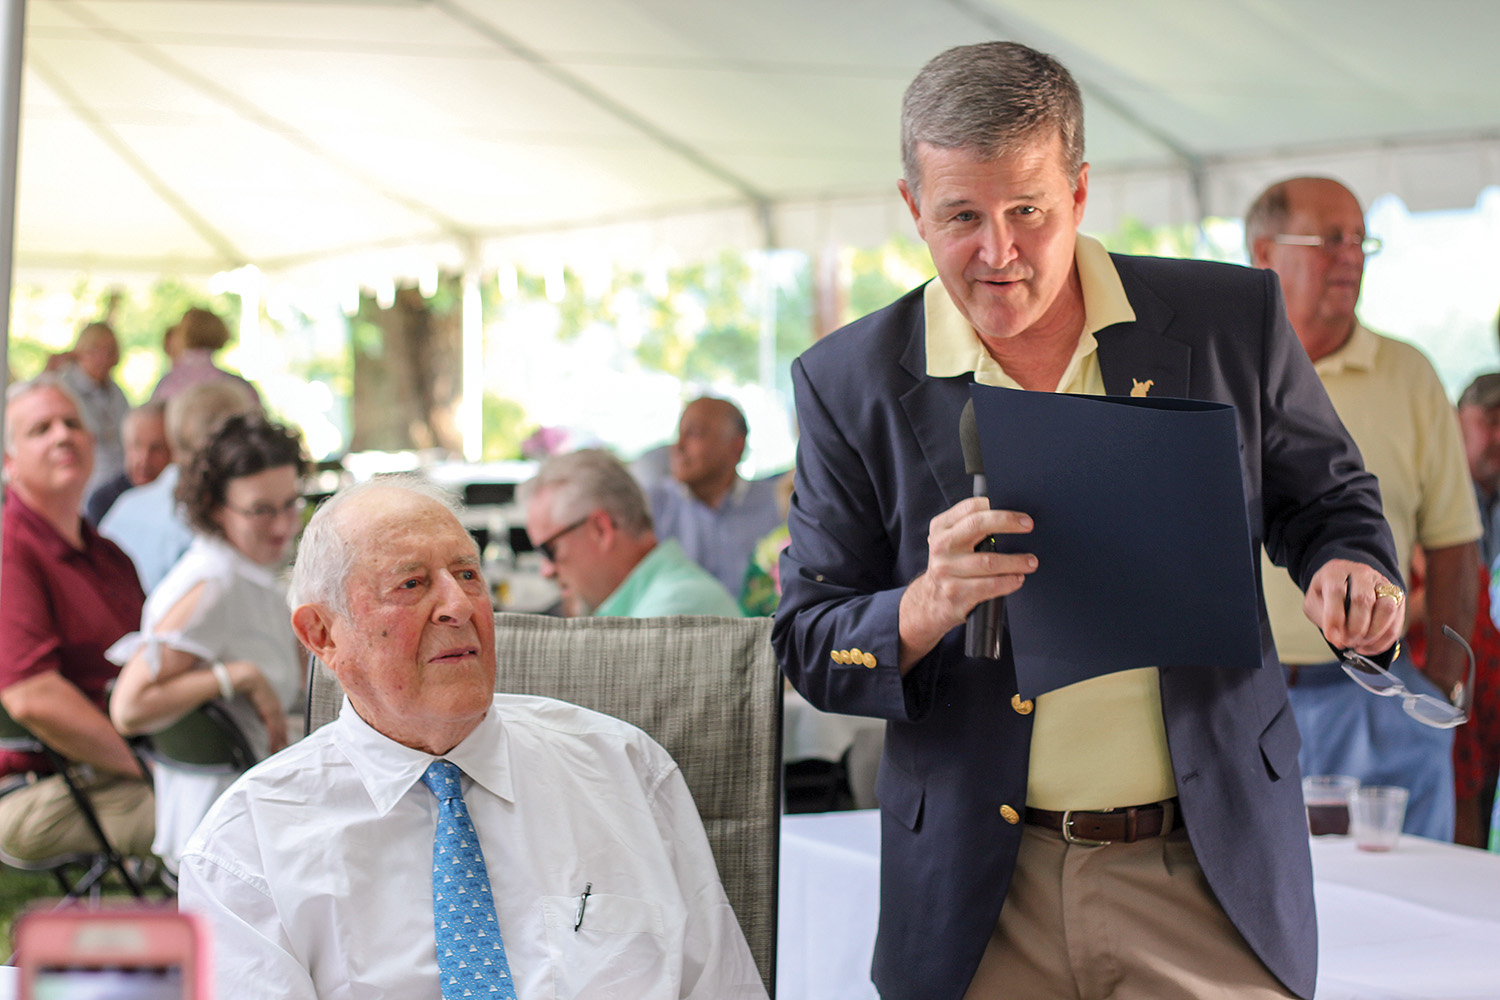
<point x="1419" y="923"/>
<point x="807" y="733"/>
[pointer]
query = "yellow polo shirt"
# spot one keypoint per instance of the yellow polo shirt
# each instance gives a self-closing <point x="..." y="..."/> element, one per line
<point x="1398" y="413"/>
<point x="1100" y="743"/>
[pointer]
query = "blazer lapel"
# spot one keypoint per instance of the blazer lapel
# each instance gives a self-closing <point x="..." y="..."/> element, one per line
<point x="1137" y="357"/>
<point x="932" y="407"/>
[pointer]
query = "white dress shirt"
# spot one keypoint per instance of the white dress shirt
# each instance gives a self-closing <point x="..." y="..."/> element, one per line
<point x="315" y="868"/>
<point x="240" y="615"/>
<point x="145" y="521"/>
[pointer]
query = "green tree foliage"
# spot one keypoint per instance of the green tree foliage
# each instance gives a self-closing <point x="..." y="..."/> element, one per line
<point x="506" y="426"/>
<point x="139" y="319"/>
<point x="878" y="277"/>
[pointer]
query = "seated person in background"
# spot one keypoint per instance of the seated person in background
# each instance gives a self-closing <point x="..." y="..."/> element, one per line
<point x="705" y="506"/>
<point x="588" y="516"/>
<point x="68" y="594"/>
<point x="216" y="627"/>
<point x="762" y="589"/>
<point x="145" y="521"/>
<point x="570" y="833"/>
<point x="146" y="455"/>
<point x="1476" y="743"/>
<point x="195" y="338"/>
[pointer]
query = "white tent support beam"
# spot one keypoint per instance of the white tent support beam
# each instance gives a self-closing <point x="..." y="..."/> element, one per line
<point x="12" y="50"/>
<point x="232" y="255"/>
<point x="666" y="140"/>
<point x="252" y="113"/>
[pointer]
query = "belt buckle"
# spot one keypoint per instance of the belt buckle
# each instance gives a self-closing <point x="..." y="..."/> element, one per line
<point x="1068" y="835"/>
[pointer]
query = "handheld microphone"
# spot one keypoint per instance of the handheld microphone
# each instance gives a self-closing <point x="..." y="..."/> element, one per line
<point x="986" y="624"/>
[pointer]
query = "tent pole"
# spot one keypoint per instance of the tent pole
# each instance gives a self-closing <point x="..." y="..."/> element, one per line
<point x="471" y="403"/>
<point x="12" y="38"/>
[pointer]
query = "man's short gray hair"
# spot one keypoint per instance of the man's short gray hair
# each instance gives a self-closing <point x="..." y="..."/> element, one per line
<point x="320" y="574"/>
<point x="584" y="481"/>
<point x="1268" y="213"/>
<point x="46" y="380"/>
<point x="991" y="98"/>
<point x="197" y="411"/>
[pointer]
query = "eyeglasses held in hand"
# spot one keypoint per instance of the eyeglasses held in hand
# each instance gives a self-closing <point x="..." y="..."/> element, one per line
<point x="1426" y="709"/>
<point x="1368" y="245"/>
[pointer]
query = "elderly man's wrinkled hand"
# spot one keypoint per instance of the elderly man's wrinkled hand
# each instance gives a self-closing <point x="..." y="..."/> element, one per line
<point x="1356" y="607"/>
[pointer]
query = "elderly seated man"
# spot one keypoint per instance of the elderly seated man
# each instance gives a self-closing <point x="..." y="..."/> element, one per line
<point x="68" y="595"/>
<point x="589" y="518"/>
<point x="439" y="839"/>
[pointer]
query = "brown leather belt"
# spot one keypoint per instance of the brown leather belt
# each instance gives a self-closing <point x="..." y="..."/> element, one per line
<point x="1114" y="826"/>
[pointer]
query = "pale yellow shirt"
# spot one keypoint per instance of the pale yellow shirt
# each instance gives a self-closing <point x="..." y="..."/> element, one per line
<point x="1398" y="413"/>
<point x="1100" y="743"/>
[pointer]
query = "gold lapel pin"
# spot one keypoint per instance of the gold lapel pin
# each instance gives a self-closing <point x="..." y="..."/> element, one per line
<point x="1139" y="388"/>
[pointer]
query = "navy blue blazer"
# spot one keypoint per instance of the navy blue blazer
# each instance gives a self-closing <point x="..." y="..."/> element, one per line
<point x="879" y="457"/>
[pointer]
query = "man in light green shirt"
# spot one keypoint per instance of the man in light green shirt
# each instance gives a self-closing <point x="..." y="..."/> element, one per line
<point x="591" y="522"/>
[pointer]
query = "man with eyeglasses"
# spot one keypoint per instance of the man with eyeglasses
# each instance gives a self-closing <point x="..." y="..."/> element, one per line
<point x="1311" y="232"/>
<point x="589" y="519"/>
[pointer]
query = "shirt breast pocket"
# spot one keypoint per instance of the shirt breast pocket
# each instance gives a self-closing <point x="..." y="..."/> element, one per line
<point x="618" y="953"/>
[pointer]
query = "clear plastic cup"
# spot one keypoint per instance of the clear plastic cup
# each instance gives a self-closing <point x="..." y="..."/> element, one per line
<point x="1376" y="813"/>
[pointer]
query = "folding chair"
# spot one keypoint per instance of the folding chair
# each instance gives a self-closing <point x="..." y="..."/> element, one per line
<point x="707" y="689"/>
<point x="207" y="739"/>
<point x="96" y="863"/>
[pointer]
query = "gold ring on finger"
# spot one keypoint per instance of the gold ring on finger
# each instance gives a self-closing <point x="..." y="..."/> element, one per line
<point x="1392" y="591"/>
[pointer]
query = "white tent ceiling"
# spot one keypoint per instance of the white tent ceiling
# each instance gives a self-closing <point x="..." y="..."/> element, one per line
<point x="192" y="136"/>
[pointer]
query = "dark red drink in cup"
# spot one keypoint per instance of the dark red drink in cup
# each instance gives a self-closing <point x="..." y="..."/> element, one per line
<point x="1327" y="798"/>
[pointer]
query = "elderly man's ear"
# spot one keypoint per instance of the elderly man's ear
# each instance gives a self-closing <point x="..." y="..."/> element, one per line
<point x="312" y="624"/>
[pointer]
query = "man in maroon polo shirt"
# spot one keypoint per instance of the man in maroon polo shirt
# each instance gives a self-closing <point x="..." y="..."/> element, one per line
<point x="68" y="595"/>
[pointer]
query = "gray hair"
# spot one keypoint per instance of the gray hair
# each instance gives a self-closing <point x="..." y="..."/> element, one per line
<point x="583" y="481"/>
<point x="46" y="380"/>
<point x="320" y="574"/>
<point x="1268" y="213"/>
<point x="196" y="412"/>
<point x="992" y="98"/>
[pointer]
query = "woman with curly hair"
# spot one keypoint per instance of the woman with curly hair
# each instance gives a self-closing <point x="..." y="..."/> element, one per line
<point x="216" y="627"/>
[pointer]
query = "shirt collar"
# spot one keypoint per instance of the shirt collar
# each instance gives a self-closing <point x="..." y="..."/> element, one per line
<point x="46" y="537"/>
<point x="735" y="495"/>
<point x="388" y="769"/>
<point x="261" y="576"/>
<point x="953" y="348"/>
<point x="1356" y="354"/>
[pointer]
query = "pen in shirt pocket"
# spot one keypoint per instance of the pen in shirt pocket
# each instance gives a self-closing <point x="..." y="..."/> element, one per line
<point x="583" y="901"/>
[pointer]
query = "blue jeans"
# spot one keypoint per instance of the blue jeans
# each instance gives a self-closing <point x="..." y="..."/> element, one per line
<point x="1348" y="730"/>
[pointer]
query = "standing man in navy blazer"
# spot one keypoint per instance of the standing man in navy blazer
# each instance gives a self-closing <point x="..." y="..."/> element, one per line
<point x="1143" y="830"/>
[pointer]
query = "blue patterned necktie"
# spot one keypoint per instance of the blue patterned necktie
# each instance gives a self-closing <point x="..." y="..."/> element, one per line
<point x="470" y="955"/>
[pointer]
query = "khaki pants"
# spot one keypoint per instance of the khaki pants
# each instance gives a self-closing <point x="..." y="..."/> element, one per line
<point x="1121" y="922"/>
<point x="41" y="820"/>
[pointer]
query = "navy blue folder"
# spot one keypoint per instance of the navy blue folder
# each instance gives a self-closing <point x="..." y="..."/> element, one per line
<point x="1141" y="535"/>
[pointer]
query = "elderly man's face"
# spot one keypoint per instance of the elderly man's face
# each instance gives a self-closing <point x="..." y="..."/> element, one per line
<point x="1320" y="284"/>
<point x="416" y="655"/>
<point x="146" y="451"/>
<point x="1001" y="231"/>
<point x="51" y="451"/>
<point x="1481" y="433"/>
<point x="708" y="445"/>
